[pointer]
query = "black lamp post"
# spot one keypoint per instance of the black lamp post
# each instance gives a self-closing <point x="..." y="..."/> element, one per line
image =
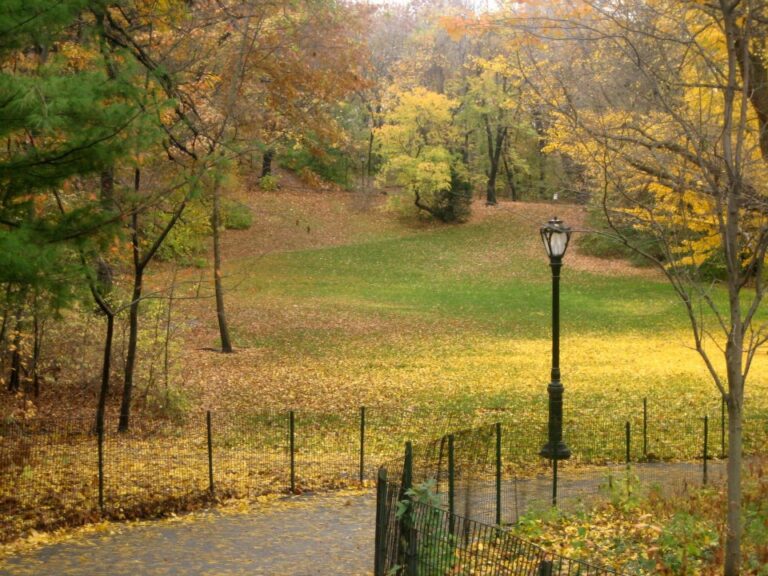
<point x="555" y="237"/>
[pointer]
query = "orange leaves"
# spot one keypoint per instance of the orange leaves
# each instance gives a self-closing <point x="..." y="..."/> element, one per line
<point x="465" y="25"/>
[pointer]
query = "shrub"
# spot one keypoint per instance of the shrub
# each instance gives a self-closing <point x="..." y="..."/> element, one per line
<point x="171" y="404"/>
<point x="188" y="238"/>
<point x="687" y="544"/>
<point x="237" y="216"/>
<point x="268" y="183"/>
<point x="437" y="546"/>
<point x="328" y="164"/>
<point x="602" y="244"/>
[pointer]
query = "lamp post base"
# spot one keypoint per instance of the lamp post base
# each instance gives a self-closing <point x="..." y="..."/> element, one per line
<point x="561" y="451"/>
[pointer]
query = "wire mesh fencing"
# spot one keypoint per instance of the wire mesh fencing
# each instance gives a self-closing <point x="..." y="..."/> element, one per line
<point x="61" y="472"/>
<point x="483" y="473"/>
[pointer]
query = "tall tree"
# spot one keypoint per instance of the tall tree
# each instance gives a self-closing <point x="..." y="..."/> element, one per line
<point x="661" y="101"/>
<point x="65" y="117"/>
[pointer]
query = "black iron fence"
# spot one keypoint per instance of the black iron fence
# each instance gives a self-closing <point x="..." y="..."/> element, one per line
<point x="417" y="536"/>
<point x="442" y="509"/>
<point x="55" y="473"/>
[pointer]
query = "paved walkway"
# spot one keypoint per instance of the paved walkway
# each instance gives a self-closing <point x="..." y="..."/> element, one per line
<point x="323" y="535"/>
<point x="328" y="535"/>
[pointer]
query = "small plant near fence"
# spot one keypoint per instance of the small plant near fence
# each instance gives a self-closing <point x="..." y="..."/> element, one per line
<point x="437" y="545"/>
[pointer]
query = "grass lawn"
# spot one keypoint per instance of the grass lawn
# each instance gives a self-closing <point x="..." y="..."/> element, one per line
<point x="449" y="318"/>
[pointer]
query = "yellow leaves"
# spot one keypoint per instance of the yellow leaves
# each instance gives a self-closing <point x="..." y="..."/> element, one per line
<point x="415" y="138"/>
<point x="78" y="55"/>
<point x="420" y="108"/>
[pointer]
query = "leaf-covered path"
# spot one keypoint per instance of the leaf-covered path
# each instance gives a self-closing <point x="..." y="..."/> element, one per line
<point x="326" y="535"/>
<point x="311" y="535"/>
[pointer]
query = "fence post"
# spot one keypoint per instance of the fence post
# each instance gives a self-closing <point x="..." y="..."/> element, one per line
<point x="706" y="439"/>
<point x="498" y="473"/>
<point x="440" y="464"/>
<point x="722" y="428"/>
<point x="628" y="433"/>
<point x="645" y="428"/>
<point x="292" y="434"/>
<point x="382" y="522"/>
<point x="210" y="452"/>
<point x="451" y="484"/>
<point x="100" y="440"/>
<point x="406" y="533"/>
<point x="545" y="568"/>
<point x="412" y="565"/>
<point x="408" y="467"/>
<point x="362" y="443"/>
<point x="628" y="441"/>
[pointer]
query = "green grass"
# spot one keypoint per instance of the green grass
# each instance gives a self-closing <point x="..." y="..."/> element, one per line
<point x="458" y="319"/>
<point x="451" y="273"/>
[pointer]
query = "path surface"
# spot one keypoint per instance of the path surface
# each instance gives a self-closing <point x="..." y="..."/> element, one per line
<point x="327" y="535"/>
<point x="323" y="535"/>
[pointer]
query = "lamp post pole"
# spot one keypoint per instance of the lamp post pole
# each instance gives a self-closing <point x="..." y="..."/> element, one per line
<point x="555" y="237"/>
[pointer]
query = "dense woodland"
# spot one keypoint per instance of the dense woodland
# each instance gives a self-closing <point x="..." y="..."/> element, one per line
<point x="129" y="126"/>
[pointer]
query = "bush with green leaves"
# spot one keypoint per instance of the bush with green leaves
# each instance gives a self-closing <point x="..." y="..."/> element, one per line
<point x="237" y="216"/>
<point x="329" y="163"/>
<point x="268" y="183"/>
<point x="188" y="238"/>
<point x="603" y="243"/>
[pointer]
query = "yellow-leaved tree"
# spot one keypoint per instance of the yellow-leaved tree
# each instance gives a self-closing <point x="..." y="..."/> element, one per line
<point x="665" y="104"/>
<point x="415" y="142"/>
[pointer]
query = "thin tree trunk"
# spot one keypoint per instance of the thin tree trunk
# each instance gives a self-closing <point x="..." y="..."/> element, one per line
<point x="4" y="327"/>
<point x="510" y="180"/>
<point x="167" y="349"/>
<point x="133" y="316"/>
<point x="369" y="154"/>
<point x="107" y="188"/>
<point x="37" y="351"/>
<point x="14" y="382"/>
<point x="140" y="264"/>
<point x="734" y="524"/>
<point x="494" y="157"/>
<point x="130" y="356"/>
<point x="105" y="370"/>
<point x="226" y="343"/>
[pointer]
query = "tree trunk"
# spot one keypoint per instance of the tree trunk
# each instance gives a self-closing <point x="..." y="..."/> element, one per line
<point x="494" y="157"/>
<point x="734" y="525"/>
<point x="14" y="382"/>
<point x="370" y="154"/>
<point x="3" y="329"/>
<point x="140" y="264"/>
<point x="167" y="343"/>
<point x="226" y="344"/>
<point x="37" y="351"/>
<point x="752" y="67"/>
<point x="133" y="321"/>
<point x="105" y="370"/>
<point x="107" y="181"/>
<point x="510" y="180"/>
<point x="130" y="356"/>
<point x="266" y="163"/>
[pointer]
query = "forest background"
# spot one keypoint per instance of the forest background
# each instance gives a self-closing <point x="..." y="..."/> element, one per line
<point x="137" y="132"/>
